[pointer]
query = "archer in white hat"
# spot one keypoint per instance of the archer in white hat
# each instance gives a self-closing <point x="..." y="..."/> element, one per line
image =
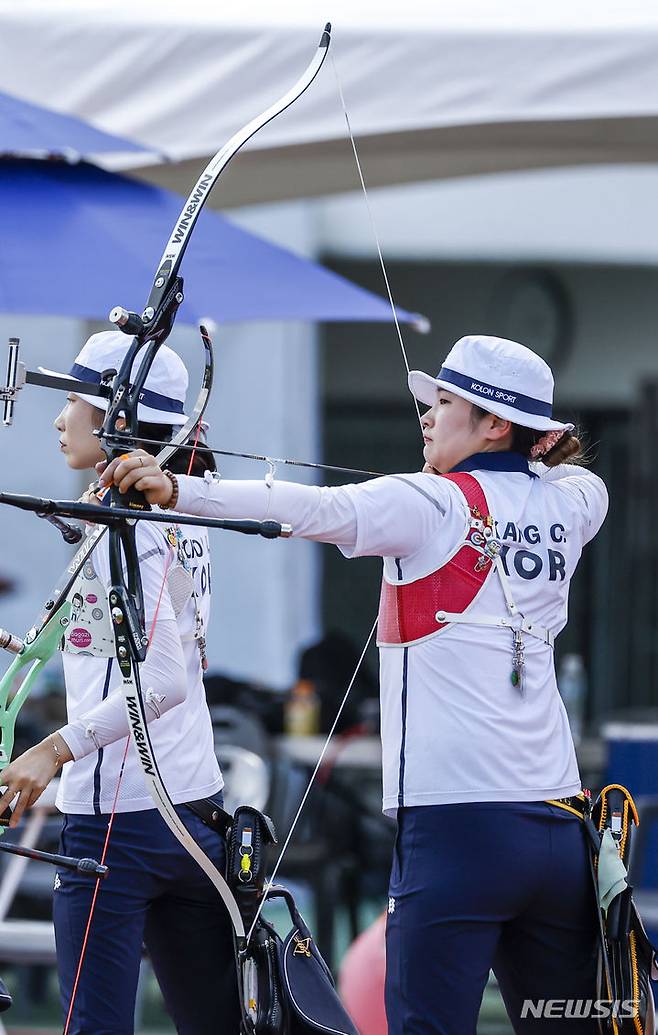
<point x="479" y="769"/>
<point x="160" y="411"/>
<point x="162" y="400"/>
<point x="501" y="376"/>
<point x="157" y="894"/>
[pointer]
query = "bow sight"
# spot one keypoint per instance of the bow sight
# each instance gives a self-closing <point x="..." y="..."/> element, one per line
<point x="18" y="376"/>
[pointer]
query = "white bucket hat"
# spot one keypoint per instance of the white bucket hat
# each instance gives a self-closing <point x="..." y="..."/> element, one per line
<point x="162" y="400"/>
<point x="502" y="376"/>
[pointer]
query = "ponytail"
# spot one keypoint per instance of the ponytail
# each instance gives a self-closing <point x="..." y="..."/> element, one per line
<point x="548" y="447"/>
<point x="568" y="450"/>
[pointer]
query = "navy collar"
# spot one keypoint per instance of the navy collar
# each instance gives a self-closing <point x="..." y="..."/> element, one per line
<point x="511" y="463"/>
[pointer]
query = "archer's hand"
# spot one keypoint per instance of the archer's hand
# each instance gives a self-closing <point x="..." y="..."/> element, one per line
<point x="90" y="495"/>
<point x="29" y="774"/>
<point x="138" y="470"/>
<point x="428" y="469"/>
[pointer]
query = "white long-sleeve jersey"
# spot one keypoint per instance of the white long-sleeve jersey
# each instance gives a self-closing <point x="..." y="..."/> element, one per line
<point x="454" y="726"/>
<point x="171" y="678"/>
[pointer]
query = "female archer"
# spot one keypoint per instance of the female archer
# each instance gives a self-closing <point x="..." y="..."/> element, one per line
<point x="490" y="869"/>
<point x="155" y="894"/>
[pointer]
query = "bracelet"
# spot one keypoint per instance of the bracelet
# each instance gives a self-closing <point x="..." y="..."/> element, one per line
<point x="173" y="499"/>
<point x="58" y="755"/>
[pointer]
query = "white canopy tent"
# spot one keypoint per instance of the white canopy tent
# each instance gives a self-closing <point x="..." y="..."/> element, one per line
<point x="433" y="90"/>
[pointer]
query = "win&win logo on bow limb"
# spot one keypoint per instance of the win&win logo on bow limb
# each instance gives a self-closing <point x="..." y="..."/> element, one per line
<point x="195" y="200"/>
<point x="139" y="736"/>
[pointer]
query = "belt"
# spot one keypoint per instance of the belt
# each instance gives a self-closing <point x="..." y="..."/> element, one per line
<point x="514" y="624"/>
<point x="212" y="814"/>
<point x="578" y="804"/>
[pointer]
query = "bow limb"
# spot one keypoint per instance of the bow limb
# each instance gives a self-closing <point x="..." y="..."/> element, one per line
<point x="135" y="708"/>
<point x="37" y="650"/>
<point x="172" y="256"/>
<point x="157" y="318"/>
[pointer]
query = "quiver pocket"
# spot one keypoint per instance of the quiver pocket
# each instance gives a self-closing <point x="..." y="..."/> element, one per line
<point x="627" y="959"/>
<point x="249" y="837"/>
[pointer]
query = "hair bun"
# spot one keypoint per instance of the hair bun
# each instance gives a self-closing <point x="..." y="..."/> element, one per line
<point x="565" y="449"/>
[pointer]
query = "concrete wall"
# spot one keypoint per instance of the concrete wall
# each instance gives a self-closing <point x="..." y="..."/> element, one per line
<point x="611" y="343"/>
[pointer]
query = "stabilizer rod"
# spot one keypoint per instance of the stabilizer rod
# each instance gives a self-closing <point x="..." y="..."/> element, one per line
<point x="113" y="515"/>
<point x="89" y="866"/>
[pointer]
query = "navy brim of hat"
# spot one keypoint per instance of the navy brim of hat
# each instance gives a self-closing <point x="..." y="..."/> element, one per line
<point x="424" y="388"/>
<point x="148" y="414"/>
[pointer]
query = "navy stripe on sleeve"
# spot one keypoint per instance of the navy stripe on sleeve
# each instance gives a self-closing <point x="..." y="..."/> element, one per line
<point x="99" y="762"/>
<point x="403" y="737"/>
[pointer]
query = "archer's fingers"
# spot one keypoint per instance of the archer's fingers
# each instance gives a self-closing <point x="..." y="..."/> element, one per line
<point x="147" y="484"/>
<point x="106" y="472"/>
<point x="118" y="469"/>
<point x="6" y="800"/>
<point x="25" y="798"/>
<point x="133" y="474"/>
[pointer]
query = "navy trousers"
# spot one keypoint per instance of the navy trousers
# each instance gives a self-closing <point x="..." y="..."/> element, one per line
<point x="475" y="887"/>
<point x="154" y="894"/>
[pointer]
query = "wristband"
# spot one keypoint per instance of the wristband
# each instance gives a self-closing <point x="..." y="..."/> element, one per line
<point x="173" y="499"/>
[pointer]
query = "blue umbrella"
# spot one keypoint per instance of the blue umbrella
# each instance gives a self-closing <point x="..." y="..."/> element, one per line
<point x="76" y="241"/>
<point x="28" y="129"/>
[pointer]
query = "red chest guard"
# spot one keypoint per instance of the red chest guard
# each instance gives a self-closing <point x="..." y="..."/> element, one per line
<point x="407" y="613"/>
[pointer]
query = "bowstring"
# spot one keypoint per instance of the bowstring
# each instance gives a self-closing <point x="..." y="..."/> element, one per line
<point x="309" y="787"/>
<point x="110" y="822"/>
<point x="373" y="227"/>
<point x="85" y="940"/>
<point x="269" y="883"/>
<point x="194" y="448"/>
